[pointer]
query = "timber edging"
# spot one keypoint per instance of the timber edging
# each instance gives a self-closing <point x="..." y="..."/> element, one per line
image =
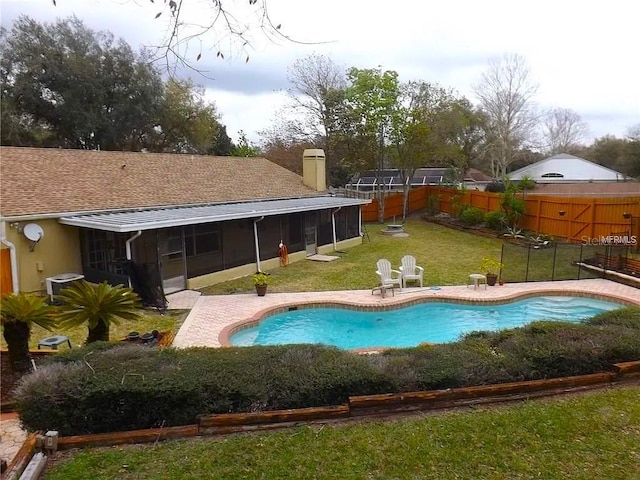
<point x="357" y="407"/>
<point x="22" y="458"/>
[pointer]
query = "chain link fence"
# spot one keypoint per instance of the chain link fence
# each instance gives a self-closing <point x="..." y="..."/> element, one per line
<point x="558" y="261"/>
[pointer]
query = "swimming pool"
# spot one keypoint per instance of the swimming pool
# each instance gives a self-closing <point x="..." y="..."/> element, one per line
<point x="434" y="322"/>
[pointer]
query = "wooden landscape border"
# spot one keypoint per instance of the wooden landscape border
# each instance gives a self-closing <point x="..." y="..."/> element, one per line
<point x="358" y="407"/>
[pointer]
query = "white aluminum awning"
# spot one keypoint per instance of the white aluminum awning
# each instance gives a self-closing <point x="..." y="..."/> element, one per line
<point x="154" y="218"/>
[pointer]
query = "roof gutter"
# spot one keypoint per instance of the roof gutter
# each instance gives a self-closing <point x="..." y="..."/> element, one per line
<point x="62" y="215"/>
<point x="12" y="256"/>
<point x="255" y="238"/>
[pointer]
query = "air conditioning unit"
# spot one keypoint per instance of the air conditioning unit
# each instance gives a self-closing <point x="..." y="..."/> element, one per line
<point x="58" y="282"/>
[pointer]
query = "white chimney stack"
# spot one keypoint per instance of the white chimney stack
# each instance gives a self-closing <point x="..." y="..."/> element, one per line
<point x="314" y="173"/>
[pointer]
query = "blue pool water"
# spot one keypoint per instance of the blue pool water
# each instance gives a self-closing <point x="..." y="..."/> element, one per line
<point x="436" y="322"/>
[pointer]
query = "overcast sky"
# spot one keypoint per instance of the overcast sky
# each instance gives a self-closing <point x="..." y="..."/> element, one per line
<point x="584" y="55"/>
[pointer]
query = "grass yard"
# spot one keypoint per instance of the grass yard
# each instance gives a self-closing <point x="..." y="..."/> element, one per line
<point x="448" y="257"/>
<point x="152" y="320"/>
<point x="591" y="436"/>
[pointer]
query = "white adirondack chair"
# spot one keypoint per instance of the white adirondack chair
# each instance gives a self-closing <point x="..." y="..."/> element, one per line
<point x="388" y="276"/>
<point x="409" y="271"/>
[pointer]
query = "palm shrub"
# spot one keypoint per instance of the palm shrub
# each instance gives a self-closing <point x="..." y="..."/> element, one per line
<point x="18" y="312"/>
<point x="97" y="305"/>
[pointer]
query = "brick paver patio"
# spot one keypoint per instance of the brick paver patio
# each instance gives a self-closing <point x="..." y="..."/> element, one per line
<point x="211" y="314"/>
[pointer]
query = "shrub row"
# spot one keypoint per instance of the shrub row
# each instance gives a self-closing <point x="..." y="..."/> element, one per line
<point x="106" y="388"/>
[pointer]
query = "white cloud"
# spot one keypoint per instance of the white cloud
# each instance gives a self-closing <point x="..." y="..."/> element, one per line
<point x="584" y="58"/>
<point x="249" y="113"/>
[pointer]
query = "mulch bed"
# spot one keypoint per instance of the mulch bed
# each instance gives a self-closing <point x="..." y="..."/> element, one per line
<point x="452" y="222"/>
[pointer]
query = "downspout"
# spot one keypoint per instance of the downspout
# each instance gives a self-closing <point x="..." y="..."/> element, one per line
<point x="255" y="238"/>
<point x="12" y="256"/>
<point x="333" y="225"/>
<point x="361" y="233"/>
<point x="127" y="246"/>
<point x="129" y="242"/>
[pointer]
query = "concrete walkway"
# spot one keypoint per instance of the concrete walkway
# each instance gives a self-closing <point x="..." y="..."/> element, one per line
<point x="11" y="436"/>
<point x="211" y="314"/>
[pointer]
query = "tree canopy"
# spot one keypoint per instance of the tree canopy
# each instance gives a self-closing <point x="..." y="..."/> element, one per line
<point x="65" y="85"/>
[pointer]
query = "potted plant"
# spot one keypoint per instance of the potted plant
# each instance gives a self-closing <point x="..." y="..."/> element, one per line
<point x="491" y="268"/>
<point x="261" y="280"/>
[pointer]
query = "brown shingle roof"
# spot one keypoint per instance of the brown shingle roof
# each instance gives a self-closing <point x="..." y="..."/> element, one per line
<point x="47" y="180"/>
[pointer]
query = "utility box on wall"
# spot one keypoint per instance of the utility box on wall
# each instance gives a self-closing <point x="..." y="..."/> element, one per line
<point x="56" y="283"/>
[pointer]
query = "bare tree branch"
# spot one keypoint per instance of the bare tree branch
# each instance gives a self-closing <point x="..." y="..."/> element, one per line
<point x="505" y="92"/>
<point x="564" y="130"/>
<point x="226" y="28"/>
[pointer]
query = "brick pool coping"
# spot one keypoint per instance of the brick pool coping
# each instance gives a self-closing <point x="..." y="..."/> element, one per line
<point x="214" y="319"/>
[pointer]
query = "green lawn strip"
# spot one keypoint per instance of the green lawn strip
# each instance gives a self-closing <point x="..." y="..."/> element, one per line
<point x="448" y="257"/>
<point x="594" y="435"/>
<point x="152" y="320"/>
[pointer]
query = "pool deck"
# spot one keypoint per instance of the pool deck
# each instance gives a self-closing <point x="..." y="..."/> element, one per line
<point x="211" y="315"/>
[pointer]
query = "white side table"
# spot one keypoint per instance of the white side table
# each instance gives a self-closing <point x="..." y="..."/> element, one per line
<point x="477" y="279"/>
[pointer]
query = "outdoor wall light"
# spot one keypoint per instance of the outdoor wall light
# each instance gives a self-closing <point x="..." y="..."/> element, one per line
<point x="626" y="215"/>
<point x="561" y="213"/>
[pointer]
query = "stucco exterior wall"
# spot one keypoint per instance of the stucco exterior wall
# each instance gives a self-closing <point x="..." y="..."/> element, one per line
<point x="58" y="252"/>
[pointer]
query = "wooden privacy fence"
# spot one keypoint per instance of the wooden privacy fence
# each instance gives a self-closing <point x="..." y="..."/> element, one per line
<point x="577" y="219"/>
<point x="393" y="205"/>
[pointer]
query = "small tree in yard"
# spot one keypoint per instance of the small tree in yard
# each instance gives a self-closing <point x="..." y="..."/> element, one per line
<point x="99" y="306"/>
<point x="18" y="312"/>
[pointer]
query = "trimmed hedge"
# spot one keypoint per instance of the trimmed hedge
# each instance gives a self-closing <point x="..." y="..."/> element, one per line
<point x="132" y="387"/>
<point x="113" y="387"/>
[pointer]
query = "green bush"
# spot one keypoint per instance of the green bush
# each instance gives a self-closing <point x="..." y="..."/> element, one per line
<point x="113" y="387"/>
<point x="471" y="216"/>
<point x="494" y="220"/>
<point x="495" y="187"/>
<point x="76" y="354"/>
<point x="133" y="387"/>
<point x="623" y="317"/>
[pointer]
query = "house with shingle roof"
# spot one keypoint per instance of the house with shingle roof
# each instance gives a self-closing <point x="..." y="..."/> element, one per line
<point x="175" y="221"/>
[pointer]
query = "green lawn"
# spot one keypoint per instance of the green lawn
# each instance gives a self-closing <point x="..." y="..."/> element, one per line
<point x="448" y="257"/>
<point x="151" y="320"/>
<point x="591" y="436"/>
